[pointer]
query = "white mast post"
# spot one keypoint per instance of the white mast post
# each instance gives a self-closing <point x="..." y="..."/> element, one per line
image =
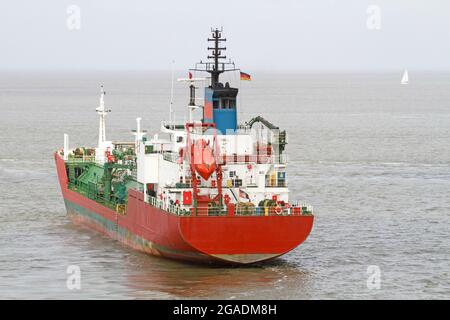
<point x="192" y="82"/>
<point x="139" y="134"/>
<point x="102" y="112"/>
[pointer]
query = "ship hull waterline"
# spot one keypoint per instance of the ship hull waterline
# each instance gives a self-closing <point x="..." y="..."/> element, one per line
<point x="225" y="240"/>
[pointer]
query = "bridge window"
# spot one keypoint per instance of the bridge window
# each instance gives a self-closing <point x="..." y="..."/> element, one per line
<point x="228" y="103"/>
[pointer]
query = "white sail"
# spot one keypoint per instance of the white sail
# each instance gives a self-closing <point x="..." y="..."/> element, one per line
<point x="405" y="78"/>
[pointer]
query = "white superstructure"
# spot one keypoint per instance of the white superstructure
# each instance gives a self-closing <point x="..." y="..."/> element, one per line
<point x="250" y="165"/>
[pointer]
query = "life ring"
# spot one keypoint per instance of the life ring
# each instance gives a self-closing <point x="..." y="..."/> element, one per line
<point x="278" y="210"/>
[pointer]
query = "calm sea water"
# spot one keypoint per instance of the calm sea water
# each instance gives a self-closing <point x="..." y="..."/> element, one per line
<point x="371" y="155"/>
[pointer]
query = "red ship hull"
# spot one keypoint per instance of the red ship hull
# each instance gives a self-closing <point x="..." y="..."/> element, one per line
<point x="225" y="239"/>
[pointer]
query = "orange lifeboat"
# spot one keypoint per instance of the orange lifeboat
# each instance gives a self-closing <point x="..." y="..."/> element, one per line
<point x="204" y="161"/>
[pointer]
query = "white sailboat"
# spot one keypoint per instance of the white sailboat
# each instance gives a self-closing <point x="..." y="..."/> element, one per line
<point x="405" y="78"/>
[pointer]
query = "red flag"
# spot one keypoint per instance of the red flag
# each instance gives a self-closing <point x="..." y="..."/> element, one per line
<point x="190" y="75"/>
<point x="187" y="198"/>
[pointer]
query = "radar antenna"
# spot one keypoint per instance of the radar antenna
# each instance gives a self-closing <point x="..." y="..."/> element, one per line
<point x="215" y="67"/>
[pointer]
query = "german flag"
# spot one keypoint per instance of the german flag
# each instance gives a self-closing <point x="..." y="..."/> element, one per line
<point x="245" y="76"/>
<point x="243" y="194"/>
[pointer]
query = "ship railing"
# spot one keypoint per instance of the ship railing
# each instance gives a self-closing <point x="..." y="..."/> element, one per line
<point x="172" y="125"/>
<point x="291" y="210"/>
<point x="171" y="208"/>
<point x="260" y="159"/>
<point x="171" y="156"/>
<point x="297" y="209"/>
<point x="80" y="159"/>
<point x="245" y="159"/>
<point x="305" y="208"/>
<point x="234" y="159"/>
<point x="208" y="212"/>
<point x="176" y="209"/>
<point x="91" y="191"/>
<point x="183" y="185"/>
<point x="277" y="184"/>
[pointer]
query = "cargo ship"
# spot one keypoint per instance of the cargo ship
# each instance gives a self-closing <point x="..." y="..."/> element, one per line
<point x="203" y="190"/>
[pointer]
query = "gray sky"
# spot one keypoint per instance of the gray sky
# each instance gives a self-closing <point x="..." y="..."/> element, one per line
<point x="315" y="35"/>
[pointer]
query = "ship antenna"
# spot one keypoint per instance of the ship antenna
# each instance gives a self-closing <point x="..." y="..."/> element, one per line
<point x="102" y="112"/>
<point x="216" y="54"/>
<point x="214" y="66"/>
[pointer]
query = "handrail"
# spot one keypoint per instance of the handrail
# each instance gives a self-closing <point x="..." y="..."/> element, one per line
<point x="78" y="159"/>
<point x="276" y="159"/>
<point x="171" y="208"/>
<point x="295" y="210"/>
<point x="171" y="156"/>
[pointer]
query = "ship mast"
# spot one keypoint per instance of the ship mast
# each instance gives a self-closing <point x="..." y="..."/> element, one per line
<point x="215" y="67"/>
<point x="102" y="112"/>
<point x="192" y="104"/>
<point x="216" y="54"/>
